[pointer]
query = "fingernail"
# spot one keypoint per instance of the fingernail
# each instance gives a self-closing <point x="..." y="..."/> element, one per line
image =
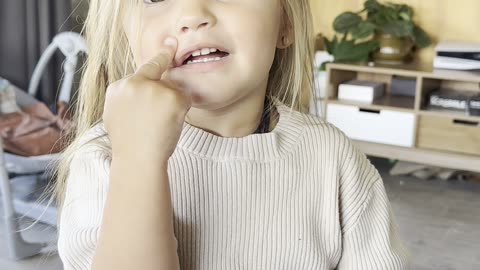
<point x="170" y="41"/>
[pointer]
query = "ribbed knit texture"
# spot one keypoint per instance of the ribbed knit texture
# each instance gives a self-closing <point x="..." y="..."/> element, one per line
<point x="299" y="197"/>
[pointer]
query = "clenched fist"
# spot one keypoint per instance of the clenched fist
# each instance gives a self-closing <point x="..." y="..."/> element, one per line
<point x="144" y="114"/>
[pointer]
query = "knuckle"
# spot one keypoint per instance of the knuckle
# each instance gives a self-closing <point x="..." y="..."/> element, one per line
<point x="131" y="82"/>
<point x="169" y="96"/>
<point x="163" y="59"/>
<point x="150" y="87"/>
<point x="175" y="101"/>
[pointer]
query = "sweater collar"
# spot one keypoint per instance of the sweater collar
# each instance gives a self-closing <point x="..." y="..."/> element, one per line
<point x="265" y="146"/>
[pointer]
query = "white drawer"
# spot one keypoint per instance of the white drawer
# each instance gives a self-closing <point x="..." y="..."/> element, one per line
<point x="383" y="126"/>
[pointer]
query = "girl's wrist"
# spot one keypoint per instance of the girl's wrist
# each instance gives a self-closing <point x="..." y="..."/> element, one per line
<point x="123" y="170"/>
<point x="141" y="158"/>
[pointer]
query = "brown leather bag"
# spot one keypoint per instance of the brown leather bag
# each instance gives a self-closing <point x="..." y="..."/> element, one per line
<point x="35" y="130"/>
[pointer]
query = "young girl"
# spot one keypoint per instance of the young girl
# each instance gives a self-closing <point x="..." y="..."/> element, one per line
<point x="191" y="152"/>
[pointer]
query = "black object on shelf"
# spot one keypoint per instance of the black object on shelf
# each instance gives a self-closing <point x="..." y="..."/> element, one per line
<point x="403" y="86"/>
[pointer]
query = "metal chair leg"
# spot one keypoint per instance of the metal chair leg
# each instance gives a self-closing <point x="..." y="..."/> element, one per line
<point x="17" y="247"/>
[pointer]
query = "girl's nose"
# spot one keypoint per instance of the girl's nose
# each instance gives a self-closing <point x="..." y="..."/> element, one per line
<point x="194" y="16"/>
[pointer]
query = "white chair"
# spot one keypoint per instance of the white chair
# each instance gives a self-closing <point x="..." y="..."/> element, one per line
<point x="71" y="45"/>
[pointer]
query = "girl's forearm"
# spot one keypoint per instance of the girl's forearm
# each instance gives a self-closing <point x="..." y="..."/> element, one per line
<point x="137" y="227"/>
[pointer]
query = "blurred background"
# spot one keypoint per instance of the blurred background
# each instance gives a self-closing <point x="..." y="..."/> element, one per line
<point x="400" y="78"/>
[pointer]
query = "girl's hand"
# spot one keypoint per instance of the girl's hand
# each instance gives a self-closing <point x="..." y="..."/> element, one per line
<point x="143" y="114"/>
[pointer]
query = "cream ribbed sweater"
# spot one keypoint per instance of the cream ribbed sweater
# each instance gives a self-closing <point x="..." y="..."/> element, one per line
<point x="299" y="197"/>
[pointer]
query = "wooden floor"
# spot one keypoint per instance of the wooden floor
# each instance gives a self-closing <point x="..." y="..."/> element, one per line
<point x="439" y="222"/>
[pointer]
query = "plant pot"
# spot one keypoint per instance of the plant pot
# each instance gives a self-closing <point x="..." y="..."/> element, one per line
<point x="393" y="50"/>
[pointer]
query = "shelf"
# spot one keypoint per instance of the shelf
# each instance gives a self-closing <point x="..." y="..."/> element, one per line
<point x="389" y="102"/>
<point x="438" y="139"/>
<point x="424" y="156"/>
<point x="452" y="115"/>
<point x="407" y="71"/>
<point x="424" y="70"/>
<point x="454" y="75"/>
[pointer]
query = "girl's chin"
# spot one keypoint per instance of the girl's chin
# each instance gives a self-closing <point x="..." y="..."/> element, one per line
<point x="206" y="101"/>
<point x="211" y="96"/>
<point x="211" y="102"/>
<point x="204" y="95"/>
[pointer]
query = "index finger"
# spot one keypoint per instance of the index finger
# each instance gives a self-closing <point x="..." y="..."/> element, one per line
<point x="156" y="66"/>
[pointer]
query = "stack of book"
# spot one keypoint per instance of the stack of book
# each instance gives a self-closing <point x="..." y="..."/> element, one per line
<point x="474" y="106"/>
<point x="466" y="102"/>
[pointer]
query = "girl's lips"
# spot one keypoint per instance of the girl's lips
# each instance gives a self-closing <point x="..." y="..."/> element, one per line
<point x="204" y="66"/>
<point x="183" y="55"/>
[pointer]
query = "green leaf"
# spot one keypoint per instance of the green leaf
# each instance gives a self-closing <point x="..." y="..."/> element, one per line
<point x="405" y="16"/>
<point x="371" y="5"/>
<point x="363" y="30"/>
<point x="323" y="67"/>
<point x="390" y="15"/>
<point x="346" y="21"/>
<point x="335" y="43"/>
<point x="393" y="19"/>
<point x="421" y="38"/>
<point x="405" y="12"/>
<point x="348" y="51"/>
<point x="330" y="45"/>
<point x="379" y="19"/>
<point x="398" y="28"/>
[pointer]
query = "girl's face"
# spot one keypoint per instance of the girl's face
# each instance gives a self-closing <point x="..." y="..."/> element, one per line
<point x="225" y="47"/>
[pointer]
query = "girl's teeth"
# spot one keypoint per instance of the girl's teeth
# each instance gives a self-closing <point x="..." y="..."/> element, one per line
<point x="205" y="60"/>
<point x="205" y="51"/>
<point x="197" y="53"/>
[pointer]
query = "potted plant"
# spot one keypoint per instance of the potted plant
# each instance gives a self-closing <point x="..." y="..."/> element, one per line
<point x="348" y="48"/>
<point x="391" y="25"/>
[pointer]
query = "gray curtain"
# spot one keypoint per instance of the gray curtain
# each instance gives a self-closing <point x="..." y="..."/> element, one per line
<point x="26" y="28"/>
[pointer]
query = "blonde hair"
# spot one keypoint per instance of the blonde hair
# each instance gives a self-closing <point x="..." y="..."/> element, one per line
<point x="290" y="78"/>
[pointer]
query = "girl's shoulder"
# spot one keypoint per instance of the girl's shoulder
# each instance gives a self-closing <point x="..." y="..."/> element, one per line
<point x="315" y="127"/>
<point x="96" y="132"/>
<point x="326" y="139"/>
<point x="94" y="141"/>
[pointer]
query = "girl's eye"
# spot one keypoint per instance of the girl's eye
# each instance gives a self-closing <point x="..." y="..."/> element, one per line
<point x="152" y="1"/>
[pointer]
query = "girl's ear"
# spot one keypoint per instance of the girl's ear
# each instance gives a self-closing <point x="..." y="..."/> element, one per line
<point x="285" y="36"/>
<point x="284" y="41"/>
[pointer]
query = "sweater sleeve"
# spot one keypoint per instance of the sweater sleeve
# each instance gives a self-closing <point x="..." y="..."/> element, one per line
<point x="82" y="210"/>
<point x="369" y="235"/>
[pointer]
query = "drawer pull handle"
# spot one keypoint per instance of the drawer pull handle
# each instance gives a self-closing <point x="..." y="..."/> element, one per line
<point x="369" y="111"/>
<point x="465" y="122"/>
